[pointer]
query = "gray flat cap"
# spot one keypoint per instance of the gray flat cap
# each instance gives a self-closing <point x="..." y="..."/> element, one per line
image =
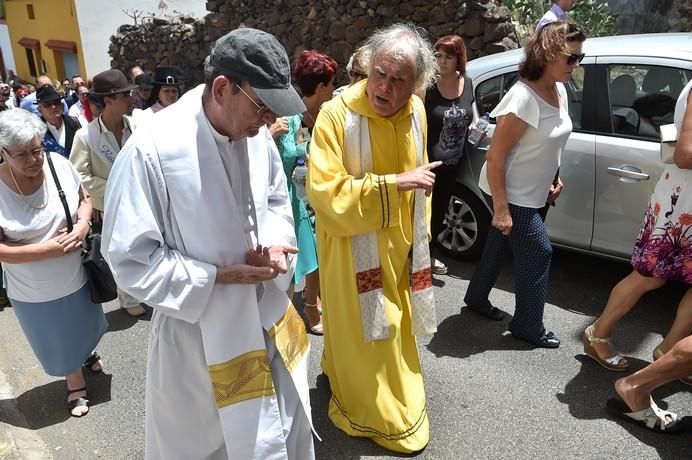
<point x="258" y="58"/>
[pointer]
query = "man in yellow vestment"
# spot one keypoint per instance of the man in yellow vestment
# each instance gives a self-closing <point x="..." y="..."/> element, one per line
<point x="367" y="182"/>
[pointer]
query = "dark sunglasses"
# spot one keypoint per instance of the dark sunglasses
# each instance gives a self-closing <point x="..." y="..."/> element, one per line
<point x="574" y="58"/>
<point x="49" y="104"/>
<point x="356" y="74"/>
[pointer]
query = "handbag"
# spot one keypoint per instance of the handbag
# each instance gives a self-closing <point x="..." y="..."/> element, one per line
<point x="99" y="276"/>
<point x="669" y="137"/>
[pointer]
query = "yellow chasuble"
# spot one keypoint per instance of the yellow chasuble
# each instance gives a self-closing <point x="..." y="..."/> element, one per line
<point x="377" y="387"/>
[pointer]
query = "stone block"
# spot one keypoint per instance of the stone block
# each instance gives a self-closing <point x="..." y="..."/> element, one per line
<point x="337" y="31"/>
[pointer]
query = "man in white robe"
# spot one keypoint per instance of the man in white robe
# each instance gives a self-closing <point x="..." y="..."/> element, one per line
<point x="199" y="226"/>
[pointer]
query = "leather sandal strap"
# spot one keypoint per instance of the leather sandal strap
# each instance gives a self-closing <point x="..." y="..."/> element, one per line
<point x="593" y="339"/>
<point x="69" y="392"/>
<point x="615" y="360"/>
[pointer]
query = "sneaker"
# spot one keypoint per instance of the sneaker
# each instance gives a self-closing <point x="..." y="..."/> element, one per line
<point x="135" y="311"/>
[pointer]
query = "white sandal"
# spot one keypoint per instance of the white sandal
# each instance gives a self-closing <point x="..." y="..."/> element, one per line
<point x="653" y="417"/>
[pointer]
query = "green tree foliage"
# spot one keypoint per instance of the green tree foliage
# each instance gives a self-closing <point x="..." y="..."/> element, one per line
<point x="592" y="15"/>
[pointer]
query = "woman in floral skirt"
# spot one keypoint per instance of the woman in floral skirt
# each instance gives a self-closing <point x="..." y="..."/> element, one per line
<point x="662" y="252"/>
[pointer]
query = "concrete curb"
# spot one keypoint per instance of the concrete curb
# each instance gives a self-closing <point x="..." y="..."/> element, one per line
<point x="17" y="443"/>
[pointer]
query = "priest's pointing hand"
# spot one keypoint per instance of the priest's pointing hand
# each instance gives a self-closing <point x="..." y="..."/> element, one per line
<point x="420" y="177"/>
<point x="262" y="264"/>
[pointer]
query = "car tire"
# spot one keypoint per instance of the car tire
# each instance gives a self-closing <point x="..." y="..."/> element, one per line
<point x="465" y="226"/>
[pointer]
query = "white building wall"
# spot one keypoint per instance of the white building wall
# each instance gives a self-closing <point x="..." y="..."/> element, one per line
<point x="6" y="46"/>
<point x="99" y="19"/>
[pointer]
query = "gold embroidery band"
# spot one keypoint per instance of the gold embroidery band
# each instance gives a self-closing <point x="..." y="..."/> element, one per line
<point x="246" y="377"/>
<point x="290" y="338"/>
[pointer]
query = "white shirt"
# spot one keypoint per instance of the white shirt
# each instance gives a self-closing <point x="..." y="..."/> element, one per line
<point x="58" y="134"/>
<point x="555" y="13"/>
<point x="76" y="110"/>
<point x="48" y="279"/>
<point x="530" y="167"/>
<point x="234" y="158"/>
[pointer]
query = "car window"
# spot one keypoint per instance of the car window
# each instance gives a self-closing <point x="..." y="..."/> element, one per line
<point x="490" y="92"/>
<point x="642" y="98"/>
<point x="575" y="91"/>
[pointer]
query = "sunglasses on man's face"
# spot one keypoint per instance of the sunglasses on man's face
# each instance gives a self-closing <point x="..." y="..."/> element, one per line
<point x="574" y="58"/>
<point x="49" y="104"/>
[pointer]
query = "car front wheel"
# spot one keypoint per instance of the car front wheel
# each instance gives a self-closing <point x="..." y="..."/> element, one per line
<point x="465" y="226"/>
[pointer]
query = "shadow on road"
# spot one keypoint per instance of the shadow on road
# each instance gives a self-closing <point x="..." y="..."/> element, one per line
<point x="119" y="320"/>
<point x="46" y="405"/>
<point x="579" y="285"/>
<point x="587" y="392"/>
<point x="469" y="333"/>
<point x="335" y="443"/>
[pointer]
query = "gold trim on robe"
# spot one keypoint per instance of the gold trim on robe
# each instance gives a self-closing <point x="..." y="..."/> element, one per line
<point x="246" y="377"/>
<point x="290" y="338"/>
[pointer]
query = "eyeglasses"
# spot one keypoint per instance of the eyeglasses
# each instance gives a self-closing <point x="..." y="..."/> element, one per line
<point x="355" y="74"/>
<point x="261" y="108"/>
<point x="24" y="156"/>
<point x="574" y="58"/>
<point x="49" y="104"/>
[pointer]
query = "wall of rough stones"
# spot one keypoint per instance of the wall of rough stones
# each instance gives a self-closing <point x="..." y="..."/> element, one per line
<point x="332" y="26"/>
<point x="643" y="16"/>
<point x="181" y="41"/>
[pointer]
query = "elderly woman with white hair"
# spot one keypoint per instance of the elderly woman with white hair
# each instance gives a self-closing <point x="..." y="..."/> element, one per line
<point x="368" y="179"/>
<point x="42" y="260"/>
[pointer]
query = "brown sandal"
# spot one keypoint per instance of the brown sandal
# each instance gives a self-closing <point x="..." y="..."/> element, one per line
<point x="614" y="363"/>
<point x="313" y="318"/>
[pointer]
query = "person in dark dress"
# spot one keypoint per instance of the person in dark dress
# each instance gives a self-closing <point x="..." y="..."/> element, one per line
<point x="449" y="108"/>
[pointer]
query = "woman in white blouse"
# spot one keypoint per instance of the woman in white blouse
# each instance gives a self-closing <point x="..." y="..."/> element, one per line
<point x="42" y="261"/>
<point x="533" y="125"/>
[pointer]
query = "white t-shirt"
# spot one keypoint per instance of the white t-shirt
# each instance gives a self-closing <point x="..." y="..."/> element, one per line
<point x="531" y="166"/>
<point x="48" y="279"/>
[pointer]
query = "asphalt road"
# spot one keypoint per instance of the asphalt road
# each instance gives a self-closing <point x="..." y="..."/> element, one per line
<point x="489" y="396"/>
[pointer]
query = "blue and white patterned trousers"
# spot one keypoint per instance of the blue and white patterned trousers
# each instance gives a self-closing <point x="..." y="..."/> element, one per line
<point x="532" y="253"/>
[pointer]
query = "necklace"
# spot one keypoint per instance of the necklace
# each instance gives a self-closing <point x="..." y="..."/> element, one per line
<point x="310" y="115"/>
<point x="22" y="194"/>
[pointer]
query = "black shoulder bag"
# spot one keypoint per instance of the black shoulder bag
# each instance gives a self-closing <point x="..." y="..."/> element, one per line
<point x="101" y="282"/>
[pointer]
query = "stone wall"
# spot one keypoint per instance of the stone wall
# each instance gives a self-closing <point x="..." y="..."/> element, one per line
<point x="180" y="41"/>
<point x="332" y="26"/>
<point x="646" y="16"/>
<point x="337" y="26"/>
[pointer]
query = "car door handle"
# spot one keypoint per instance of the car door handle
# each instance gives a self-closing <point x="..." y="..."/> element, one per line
<point x="628" y="173"/>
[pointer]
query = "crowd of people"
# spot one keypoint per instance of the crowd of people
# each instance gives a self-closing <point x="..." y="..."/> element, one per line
<point x="207" y="216"/>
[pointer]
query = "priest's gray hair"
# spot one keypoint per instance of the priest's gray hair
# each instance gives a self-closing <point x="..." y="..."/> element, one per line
<point x="404" y="42"/>
<point x="18" y="128"/>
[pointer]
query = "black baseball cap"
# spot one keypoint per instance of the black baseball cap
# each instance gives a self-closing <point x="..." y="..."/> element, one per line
<point x="257" y="57"/>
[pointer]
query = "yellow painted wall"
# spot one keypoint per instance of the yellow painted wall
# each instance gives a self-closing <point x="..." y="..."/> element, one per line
<point x="54" y="20"/>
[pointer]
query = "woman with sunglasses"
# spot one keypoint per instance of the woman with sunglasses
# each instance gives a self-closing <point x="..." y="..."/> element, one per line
<point x="41" y="257"/>
<point x="533" y="125"/>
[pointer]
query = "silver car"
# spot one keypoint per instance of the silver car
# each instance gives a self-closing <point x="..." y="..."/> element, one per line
<point x="625" y="88"/>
